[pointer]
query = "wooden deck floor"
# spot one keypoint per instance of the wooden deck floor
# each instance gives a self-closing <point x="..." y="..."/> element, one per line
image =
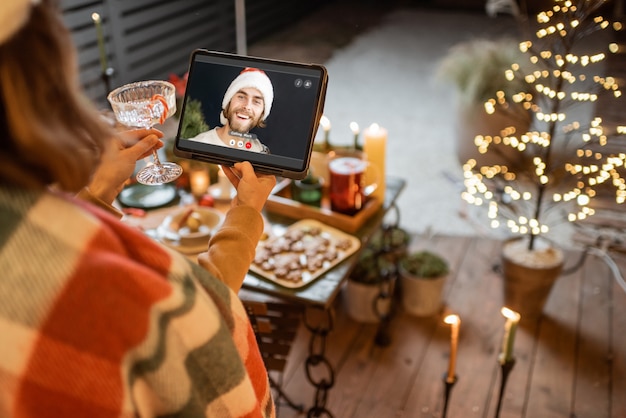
<point x="570" y="363"/>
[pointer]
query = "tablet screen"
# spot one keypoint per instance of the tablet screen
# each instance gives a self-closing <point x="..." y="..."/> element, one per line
<point x="243" y="108"/>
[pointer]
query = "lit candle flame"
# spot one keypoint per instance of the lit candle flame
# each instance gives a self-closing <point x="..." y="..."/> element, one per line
<point x="510" y="314"/>
<point x="374" y="127"/>
<point x="354" y="127"/>
<point x="452" y="319"/>
<point x="325" y="123"/>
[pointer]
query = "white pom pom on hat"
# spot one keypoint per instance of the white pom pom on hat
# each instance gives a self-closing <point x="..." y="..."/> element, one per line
<point x="13" y="15"/>
<point x="250" y="78"/>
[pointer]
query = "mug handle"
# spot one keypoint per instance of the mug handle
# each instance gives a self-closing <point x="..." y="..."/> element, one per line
<point x="371" y="179"/>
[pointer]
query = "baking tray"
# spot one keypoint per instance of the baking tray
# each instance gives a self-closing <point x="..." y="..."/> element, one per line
<point x="305" y="251"/>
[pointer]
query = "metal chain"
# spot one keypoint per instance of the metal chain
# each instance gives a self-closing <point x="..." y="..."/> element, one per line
<point x="389" y="252"/>
<point x="317" y="364"/>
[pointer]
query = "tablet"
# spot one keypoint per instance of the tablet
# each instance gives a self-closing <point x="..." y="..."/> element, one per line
<point x="239" y="108"/>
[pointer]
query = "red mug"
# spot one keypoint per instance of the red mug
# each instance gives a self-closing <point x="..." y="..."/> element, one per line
<point x="352" y="180"/>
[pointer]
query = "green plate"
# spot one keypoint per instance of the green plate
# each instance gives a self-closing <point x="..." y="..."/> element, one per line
<point x="147" y="197"/>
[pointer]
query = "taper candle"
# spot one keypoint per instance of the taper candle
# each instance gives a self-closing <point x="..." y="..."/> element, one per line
<point x="512" y="319"/>
<point x="224" y="185"/>
<point x="354" y="127"/>
<point x="375" y="144"/>
<point x="97" y="21"/>
<point x="326" y="127"/>
<point x="455" y="323"/>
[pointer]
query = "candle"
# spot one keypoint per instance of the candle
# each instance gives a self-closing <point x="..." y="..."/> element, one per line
<point x="374" y="148"/>
<point x="224" y="185"/>
<point x="103" y="55"/>
<point x="512" y="319"/>
<point x="326" y="127"/>
<point x="455" y="323"/>
<point x="354" y="127"/>
<point x="199" y="182"/>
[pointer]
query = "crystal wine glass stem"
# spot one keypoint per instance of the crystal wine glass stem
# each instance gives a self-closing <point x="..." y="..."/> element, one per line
<point x="155" y="156"/>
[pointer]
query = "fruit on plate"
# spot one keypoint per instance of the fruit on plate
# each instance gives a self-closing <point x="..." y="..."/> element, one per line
<point x="194" y="221"/>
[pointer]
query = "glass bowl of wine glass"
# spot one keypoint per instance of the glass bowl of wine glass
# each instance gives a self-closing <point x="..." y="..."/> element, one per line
<point x="144" y="104"/>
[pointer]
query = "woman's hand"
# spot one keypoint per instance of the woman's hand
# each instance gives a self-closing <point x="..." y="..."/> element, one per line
<point x="252" y="189"/>
<point x="118" y="162"/>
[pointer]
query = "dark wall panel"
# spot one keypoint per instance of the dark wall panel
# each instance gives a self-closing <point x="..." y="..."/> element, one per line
<point x="151" y="39"/>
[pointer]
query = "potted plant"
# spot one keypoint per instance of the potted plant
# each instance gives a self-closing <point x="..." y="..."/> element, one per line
<point x="368" y="293"/>
<point x="476" y="68"/>
<point x="422" y="277"/>
<point x="569" y="161"/>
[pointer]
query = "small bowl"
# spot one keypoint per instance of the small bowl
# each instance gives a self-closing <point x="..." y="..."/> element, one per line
<point x="208" y="220"/>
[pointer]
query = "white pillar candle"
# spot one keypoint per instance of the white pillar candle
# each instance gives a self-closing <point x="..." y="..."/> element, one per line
<point x="375" y="145"/>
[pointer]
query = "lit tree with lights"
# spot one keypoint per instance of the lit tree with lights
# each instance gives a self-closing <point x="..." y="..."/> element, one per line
<point x="562" y="162"/>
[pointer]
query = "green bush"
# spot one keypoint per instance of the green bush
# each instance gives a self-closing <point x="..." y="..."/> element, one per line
<point x="425" y="264"/>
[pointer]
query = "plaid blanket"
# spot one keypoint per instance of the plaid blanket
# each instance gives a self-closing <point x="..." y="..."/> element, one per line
<point x="96" y="320"/>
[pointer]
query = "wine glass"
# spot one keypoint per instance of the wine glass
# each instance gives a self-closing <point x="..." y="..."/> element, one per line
<point x="144" y="104"/>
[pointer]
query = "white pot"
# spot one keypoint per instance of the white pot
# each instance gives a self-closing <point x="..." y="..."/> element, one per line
<point x="421" y="296"/>
<point x="358" y="300"/>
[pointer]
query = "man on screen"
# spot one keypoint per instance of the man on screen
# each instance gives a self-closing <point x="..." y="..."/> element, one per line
<point x="246" y="105"/>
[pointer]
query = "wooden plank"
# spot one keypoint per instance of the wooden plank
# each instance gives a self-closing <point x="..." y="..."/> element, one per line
<point x="339" y="344"/>
<point x="158" y="13"/>
<point x="617" y="358"/>
<point x="356" y="369"/>
<point x="552" y="377"/>
<point x="372" y="381"/>
<point x="76" y="4"/>
<point x="593" y="374"/>
<point x="156" y="29"/>
<point x="417" y="345"/>
<point x="476" y="297"/>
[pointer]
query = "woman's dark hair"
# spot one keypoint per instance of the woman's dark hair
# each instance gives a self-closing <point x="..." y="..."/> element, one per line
<point x="49" y="131"/>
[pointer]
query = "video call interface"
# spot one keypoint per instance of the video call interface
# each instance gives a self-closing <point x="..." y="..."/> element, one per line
<point x="290" y="124"/>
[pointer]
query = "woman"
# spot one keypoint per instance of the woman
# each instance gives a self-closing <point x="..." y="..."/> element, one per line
<point x="95" y="318"/>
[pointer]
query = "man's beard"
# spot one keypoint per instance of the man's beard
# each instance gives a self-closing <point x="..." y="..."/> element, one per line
<point x="242" y="126"/>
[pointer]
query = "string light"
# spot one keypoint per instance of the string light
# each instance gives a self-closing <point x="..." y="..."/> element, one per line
<point x="511" y="197"/>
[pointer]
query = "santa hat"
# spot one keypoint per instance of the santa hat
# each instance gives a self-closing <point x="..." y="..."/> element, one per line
<point x="250" y="78"/>
<point x="13" y="15"/>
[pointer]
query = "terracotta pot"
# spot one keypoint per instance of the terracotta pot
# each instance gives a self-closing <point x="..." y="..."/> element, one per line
<point x="527" y="284"/>
<point x="421" y="296"/>
<point x="360" y="299"/>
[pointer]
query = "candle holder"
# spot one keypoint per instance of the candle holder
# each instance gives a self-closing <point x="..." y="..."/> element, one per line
<point x="505" y="366"/>
<point x="448" y="384"/>
<point x="107" y="74"/>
